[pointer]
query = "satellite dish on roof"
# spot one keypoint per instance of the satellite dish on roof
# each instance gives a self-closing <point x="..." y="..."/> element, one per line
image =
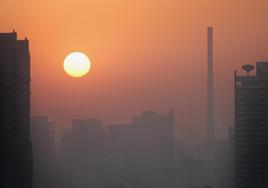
<point x="248" y="68"/>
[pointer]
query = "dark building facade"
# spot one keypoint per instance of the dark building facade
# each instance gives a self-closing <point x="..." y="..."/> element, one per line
<point x="16" y="152"/>
<point x="251" y="128"/>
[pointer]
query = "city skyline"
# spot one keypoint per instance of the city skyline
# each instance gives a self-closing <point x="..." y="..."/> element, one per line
<point x="122" y="43"/>
<point x="134" y="94"/>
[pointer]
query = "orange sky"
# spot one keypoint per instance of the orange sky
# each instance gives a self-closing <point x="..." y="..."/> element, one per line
<point x="145" y="54"/>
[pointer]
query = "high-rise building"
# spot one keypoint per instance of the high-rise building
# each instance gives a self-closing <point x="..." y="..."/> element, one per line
<point x="66" y="159"/>
<point x="251" y="127"/>
<point x="191" y="171"/>
<point x="231" y="166"/>
<point x="81" y="154"/>
<point x="135" y="155"/>
<point x="43" y="142"/>
<point x="154" y="148"/>
<point x="16" y="152"/>
<point x="85" y="149"/>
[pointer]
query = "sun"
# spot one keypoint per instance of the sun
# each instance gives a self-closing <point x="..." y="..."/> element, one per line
<point x="76" y="64"/>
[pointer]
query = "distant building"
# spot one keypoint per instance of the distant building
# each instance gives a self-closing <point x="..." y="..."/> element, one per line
<point x="154" y="148"/>
<point x="251" y="127"/>
<point x="135" y="155"/>
<point x="222" y="164"/>
<point x="16" y="151"/>
<point x="66" y="158"/>
<point x="43" y="141"/>
<point x="81" y="153"/>
<point x="231" y="138"/>
<point x="192" y="171"/>
<point x="118" y="154"/>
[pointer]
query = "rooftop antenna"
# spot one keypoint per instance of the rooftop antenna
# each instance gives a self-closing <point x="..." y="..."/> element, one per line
<point x="248" y="68"/>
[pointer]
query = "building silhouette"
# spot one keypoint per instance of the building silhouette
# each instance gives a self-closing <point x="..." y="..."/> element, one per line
<point x="16" y="152"/>
<point x="80" y="153"/>
<point x="66" y="159"/>
<point x="86" y="152"/>
<point x="231" y="140"/>
<point x="43" y="144"/>
<point x="135" y="155"/>
<point x="154" y="149"/>
<point x="251" y="131"/>
<point x="192" y="171"/>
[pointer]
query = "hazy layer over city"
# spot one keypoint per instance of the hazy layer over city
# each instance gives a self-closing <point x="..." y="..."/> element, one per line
<point x="146" y="55"/>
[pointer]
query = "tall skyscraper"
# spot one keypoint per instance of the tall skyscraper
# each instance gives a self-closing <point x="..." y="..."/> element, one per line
<point x="16" y="152"/>
<point x="251" y="127"/>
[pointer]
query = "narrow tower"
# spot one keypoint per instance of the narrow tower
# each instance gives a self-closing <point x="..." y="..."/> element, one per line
<point x="210" y="112"/>
<point x="210" y="94"/>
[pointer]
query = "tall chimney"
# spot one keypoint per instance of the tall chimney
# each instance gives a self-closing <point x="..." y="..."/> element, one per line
<point x="210" y="94"/>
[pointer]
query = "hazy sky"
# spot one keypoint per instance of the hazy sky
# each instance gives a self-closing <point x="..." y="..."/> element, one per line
<point x="146" y="55"/>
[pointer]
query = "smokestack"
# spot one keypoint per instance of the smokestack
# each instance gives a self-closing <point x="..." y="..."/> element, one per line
<point x="210" y="94"/>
